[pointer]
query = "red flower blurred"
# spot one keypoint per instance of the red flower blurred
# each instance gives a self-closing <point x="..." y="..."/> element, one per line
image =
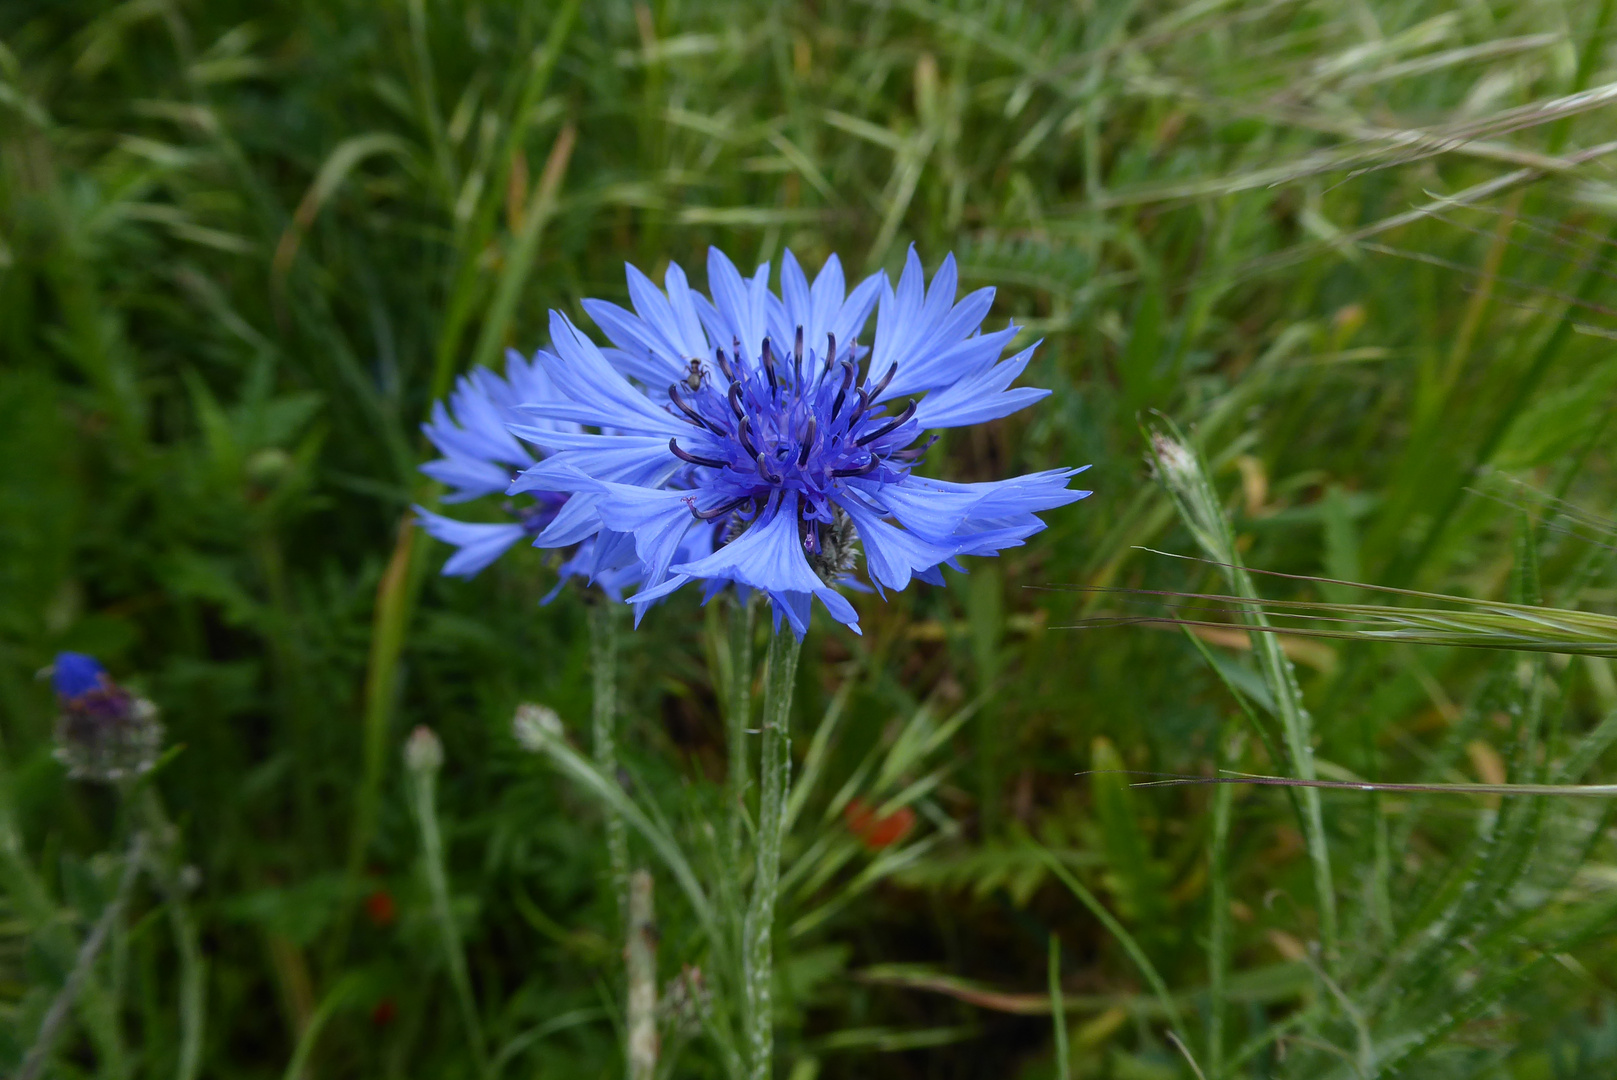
<point x="384" y="1012"/>
<point x="877" y="832"/>
<point x="380" y="907"/>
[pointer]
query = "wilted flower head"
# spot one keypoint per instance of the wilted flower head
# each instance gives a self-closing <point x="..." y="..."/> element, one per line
<point x="103" y="732"/>
<point x="754" y="420"/>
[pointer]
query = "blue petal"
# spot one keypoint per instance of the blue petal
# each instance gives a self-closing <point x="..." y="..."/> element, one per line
<point x="470" y="477"/>
<point x="740" y="305"/>
<point x="576" y="521"/>
<point x="930" y="338"/>
<point x="638" y="339"/>
<point x="75" y="673"/>
<point x="690" y="338"/>
<point x="680" y="344"/>
<point x="596" y="393"/>
<point x="892" y="554"/>
<point x="628" y="459"/>
<point x="658" y="521"/>
<point x="939" y="509"/>
<point x="767" y="556"/>
<point x="980" y="398"/>
<point x="479" y="544"/>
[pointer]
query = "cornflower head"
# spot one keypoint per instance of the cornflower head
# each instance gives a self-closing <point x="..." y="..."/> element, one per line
<point x="103" y="732"/>
<point x="481" y="458"/>
<point x="758" y="417"/>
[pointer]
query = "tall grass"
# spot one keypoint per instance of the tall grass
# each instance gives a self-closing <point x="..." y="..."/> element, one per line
<point x="1361" y="253"/>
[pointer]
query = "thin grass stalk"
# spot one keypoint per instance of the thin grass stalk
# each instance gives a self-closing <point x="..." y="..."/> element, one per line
<point x="1181" y="470"/>
<point x="170" y="879"/>
<point x="26" y="892"/>
<point x="1058" y="1011"/>
<point x="38" y="913"/>
<point x="774" y="772"/>
<point x="395" y="602"/>
<point x="738" y="718"/>
<point x="603" y="621"/>
<point x="1403" y="571"/>
<point x="1218" y="933"/>
<point x="83" y="964"/>
<point x="1119" y="932"/>
<point x="465" y="290"/>
<point x="339" y="996"/>
<point x="423" y="757"/>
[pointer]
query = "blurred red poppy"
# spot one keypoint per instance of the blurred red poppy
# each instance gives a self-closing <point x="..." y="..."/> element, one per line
<point x="877" y="832"/>
<point x="380" y="907"/>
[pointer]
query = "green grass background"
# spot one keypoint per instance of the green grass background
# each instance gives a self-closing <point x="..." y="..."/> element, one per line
<point x="1360" y="250"/>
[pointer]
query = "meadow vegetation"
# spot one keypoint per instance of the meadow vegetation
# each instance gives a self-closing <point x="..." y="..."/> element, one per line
<point x="1326" y="290"/>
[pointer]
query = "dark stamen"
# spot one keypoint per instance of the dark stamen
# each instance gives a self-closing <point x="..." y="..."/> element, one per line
<point x="768" y="359"/>
<point x="849" y="373"/>
<point x="831" y="343"/>
<point x="901" y="418"/>
<point x="673" y="445"/>
<point x="808" y="443"/>
<point x="914" y="454"/>
<point x="744" y="436"/>
<point x="797" y="356"/>
<point x="864" y="470"/>
<point x="764" y="471"/>
<point x="885" y="379"/>
<point x="717" y="511"/>
<point x="724" y="365"/>
<point x="674" y="396"/>
<point x="735" y="401"/>
<point x="859" y="409"/>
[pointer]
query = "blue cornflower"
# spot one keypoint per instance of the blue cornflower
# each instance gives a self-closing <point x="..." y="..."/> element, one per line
<point x="754" y="414"/>
<point x="74" y="674"/>
<point x="103" y="732"/>
<point x="481" y="457"/>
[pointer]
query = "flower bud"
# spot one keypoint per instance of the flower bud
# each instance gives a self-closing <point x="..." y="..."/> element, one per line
<point x="534" y="724"/>
<point x="423" y="753"/>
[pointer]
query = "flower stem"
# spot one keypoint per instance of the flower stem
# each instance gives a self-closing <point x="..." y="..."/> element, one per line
<point x="423" y="779"/>
<point x="169" y="874"/>
<point x="34" y="1062"/>
<point x="774" y="772"/>
<point x="603" y="619"/>
<point x="738" y="716"/>
<point x="640" y="958"/>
